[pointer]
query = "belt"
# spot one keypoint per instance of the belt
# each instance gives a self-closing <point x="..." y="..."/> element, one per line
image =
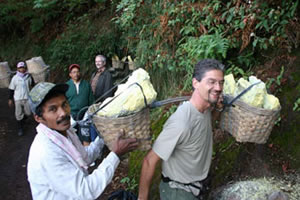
<point x="167" y="179"/>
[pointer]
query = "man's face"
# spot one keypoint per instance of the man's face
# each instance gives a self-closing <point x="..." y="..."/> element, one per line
<point x="99" y="62"/>
<point x="56" y="114"/>
<point x="21" y="70"/>
<point x="211" y="86"/>
<point x="75" y="74"/>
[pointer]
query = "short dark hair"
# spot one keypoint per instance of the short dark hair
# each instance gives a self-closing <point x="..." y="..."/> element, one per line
<point x="52" y="94"/>
<point x="206" y="65"/>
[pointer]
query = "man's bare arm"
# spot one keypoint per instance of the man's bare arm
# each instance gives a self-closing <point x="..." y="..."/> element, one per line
<point x="149" y="163"/>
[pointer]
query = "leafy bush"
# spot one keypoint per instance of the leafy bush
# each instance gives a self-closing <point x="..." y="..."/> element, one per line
<point x="175" y="34"/>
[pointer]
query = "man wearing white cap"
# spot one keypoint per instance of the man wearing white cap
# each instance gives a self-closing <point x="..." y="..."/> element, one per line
<point x="18" y="93"/>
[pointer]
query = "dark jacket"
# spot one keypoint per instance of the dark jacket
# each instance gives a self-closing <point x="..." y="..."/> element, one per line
<point x="104" y="84"/>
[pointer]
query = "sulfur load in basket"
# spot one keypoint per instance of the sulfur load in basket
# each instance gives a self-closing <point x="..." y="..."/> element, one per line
<point x="127" y="110"/>
<point x="252" y="116"/>
<point x="38" y="69"/>
<point x="5" y="75"/>
<point x="117" y="63"/>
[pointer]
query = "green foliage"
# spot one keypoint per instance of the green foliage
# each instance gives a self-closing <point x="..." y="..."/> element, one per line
<point x="238" y="72"/>
<point x="14" y="14"/>
<point x="194" y="49"/>
<point x="36" y="25"/>
<point x="131" y="183"/>
<point x="276" y="81"/>
<point x="175" y="35"/>
<point x="171" y="110"/>
<point x="49" y="4"/>
<point x="69" y="49"/>
<point x="296" y="107"/>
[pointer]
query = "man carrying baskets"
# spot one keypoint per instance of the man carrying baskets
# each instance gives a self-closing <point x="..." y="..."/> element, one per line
<point x="185" y="144"/>
<point x="58" y="162"/>
<point x="18" y="93"/>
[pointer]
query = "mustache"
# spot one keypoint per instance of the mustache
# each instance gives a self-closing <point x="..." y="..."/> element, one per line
<point x="65" y="118"/>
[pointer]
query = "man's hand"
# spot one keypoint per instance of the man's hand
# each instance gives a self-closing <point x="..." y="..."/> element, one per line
<point x="122" y="146"/>
<point x="10" y="103"/>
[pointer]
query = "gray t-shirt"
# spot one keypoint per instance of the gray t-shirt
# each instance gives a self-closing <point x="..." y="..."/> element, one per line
<point x="185" y="144"/>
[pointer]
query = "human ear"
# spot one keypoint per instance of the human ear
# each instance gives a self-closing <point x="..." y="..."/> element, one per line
<point x="195" y="82"/>
<point x="38" y="118"/>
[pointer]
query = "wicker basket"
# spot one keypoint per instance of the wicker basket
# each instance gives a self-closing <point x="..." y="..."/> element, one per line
<point x="5" y="75"/>
<point x="136" y="125"/>
<point x="131" y="65"/>
<point x="247" y="123"/>
<point x="4" y="81"/>
<point x="117" y="64"/>
<point x="40" y="76"/>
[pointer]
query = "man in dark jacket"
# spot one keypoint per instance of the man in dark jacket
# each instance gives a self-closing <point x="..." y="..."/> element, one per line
<point x="101" y="80"/>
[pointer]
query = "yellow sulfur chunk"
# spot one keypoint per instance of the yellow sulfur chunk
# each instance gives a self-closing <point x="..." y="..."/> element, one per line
<point x="271" y="102"/>
<point x="130" y="59"/>
<point x="255" y="96"/>
<point x="241" y="85"/>
<point x="130" y="97"/>
<point x="115" y="57"/>
<point x="229" y="85"/>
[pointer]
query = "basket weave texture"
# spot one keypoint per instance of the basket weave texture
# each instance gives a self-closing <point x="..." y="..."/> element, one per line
<point x="5" y="75"/>
<point x="40" y="76"/>
<point x="136" y="125"/>
<point x="4" y="81"/>
<point x="247" y="123"/>
<point x="118" y="64"/>
<point x="132" y="65"/>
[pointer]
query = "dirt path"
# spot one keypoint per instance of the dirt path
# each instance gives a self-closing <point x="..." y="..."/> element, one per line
<point x="13" y="153"/>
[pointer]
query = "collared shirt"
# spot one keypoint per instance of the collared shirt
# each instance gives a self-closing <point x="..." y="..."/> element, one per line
<point x="94" y="81"/>
<point x="77" y="87"/>
<point x="21" y="86"/>
<point x="54" y="174"/>
<point x="104" y="83"/>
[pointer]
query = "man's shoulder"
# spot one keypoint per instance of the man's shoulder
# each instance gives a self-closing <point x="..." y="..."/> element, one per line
<point x="14" y="77"/>
<point x="84" y="82"/>
<point x="183" y="109"/>
<point x="69" y="82"/>
<point x="106" y="72"/>
<point x="44" y="147"/>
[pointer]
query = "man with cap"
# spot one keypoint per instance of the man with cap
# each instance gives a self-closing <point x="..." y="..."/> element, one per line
<point x="79" y="95"/>
<point x="58" y="162"/>
<point x="18" y="93"/>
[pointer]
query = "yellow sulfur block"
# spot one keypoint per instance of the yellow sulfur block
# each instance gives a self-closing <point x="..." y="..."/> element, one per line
<point x="271" y="102"/>
<point x="229" y="85"/>
<point x="130" y="96"/>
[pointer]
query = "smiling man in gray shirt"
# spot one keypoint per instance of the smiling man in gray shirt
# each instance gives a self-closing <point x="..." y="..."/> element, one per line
<point x="185" y="144"/>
